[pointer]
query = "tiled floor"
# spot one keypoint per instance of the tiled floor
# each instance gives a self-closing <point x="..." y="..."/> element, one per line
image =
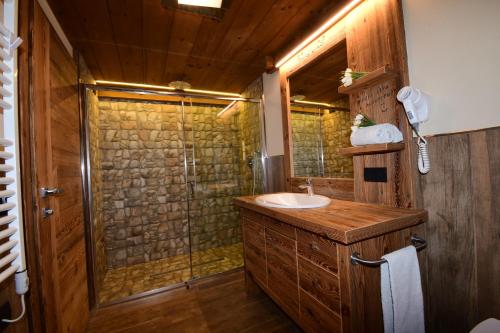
<point x="126" y="281"/>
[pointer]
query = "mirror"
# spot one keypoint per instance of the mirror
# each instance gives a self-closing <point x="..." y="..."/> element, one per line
<point x="320" y="118"/>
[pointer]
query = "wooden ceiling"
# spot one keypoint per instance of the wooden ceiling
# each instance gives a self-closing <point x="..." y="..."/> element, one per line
<point x="145" y="42"/>
<point x="319" y="81"/>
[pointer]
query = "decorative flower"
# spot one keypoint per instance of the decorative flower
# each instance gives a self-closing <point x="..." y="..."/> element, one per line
<point x="348" y="76"/>
<point x="361" y="120"/>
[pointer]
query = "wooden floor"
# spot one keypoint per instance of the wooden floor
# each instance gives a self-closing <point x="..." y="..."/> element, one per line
<point x="218" y="304"/>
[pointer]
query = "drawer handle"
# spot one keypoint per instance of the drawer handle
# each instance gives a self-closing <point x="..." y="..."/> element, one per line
<point x="314" y="247"/>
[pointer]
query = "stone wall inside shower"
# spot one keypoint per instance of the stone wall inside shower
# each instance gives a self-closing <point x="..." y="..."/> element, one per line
<point x="96" y="185"/>
<point x="145" y="207"/>
<point x="325" y="131"/>
<point x="249" y="126"/>
<point x="306" y="138"/>
<point x="336" y="134"/>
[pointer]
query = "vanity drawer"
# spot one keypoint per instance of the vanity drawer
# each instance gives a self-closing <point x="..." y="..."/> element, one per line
<point x="255" y="250"/>
<point x="269" y="222"/>
<point x="319" y="250"/>
<point x="282" y="270"/>
<point x="315" y="317"/>
<point x="320" y="283"/>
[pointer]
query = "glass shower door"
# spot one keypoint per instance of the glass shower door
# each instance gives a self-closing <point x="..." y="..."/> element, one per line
<point x="213" y="177"/>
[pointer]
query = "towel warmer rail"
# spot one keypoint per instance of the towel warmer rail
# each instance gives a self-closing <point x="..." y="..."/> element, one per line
<point x="356" y="258"/>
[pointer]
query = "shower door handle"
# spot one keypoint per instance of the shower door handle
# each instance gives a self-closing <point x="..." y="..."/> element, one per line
<point x="191" y="189"/>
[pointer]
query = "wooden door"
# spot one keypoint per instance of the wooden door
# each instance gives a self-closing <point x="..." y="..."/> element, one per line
<point x="57" y="164"/>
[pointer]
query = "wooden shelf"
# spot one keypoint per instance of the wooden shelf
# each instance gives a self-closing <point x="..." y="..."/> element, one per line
<point x="372" y="149"/>
<point x="369" y="80"/>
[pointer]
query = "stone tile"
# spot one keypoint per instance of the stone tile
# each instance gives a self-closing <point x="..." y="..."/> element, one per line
<point x="122" y="282"/>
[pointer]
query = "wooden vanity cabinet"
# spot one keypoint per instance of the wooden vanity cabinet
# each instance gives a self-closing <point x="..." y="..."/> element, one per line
<point x="296" y="268"/>
<point x="310" y="276"/>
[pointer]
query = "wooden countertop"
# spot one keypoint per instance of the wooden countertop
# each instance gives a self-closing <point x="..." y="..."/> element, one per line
<point x="342" y="221"/>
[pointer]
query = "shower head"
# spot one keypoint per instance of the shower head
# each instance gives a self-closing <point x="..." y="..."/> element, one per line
<point x="180" y="85"/>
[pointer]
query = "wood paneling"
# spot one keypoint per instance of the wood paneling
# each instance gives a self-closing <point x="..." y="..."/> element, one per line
<point x="461" y="195"/>
<point x="336" y="188"/>
<point x="369" y="48"/>
<point x="143" y="41"/>
<point x="56" y="143"/>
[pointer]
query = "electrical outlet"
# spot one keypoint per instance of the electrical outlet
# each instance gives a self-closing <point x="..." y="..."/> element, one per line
<point x="378" y="175"/>
<point x="5" y="313"/>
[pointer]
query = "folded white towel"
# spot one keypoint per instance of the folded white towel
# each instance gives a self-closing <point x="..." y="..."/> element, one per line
<point x="401" y="289"/>
<point x="381" y="133"/>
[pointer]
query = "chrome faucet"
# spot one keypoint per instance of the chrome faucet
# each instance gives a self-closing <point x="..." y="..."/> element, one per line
<point x="308" y="185"/>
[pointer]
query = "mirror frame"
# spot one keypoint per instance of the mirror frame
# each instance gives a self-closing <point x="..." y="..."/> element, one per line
<point x="340" y="188"/>
<point x="375" y="38"/>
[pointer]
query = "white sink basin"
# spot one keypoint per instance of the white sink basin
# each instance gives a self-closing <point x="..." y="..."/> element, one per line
<point x="292" y="200"/>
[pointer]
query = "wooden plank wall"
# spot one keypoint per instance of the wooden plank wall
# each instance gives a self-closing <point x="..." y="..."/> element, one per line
<point x="375" y="38"/>
<point x="461" y="193"/>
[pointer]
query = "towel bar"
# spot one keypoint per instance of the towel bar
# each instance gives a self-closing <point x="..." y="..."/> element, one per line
<point x="418" y="242"/>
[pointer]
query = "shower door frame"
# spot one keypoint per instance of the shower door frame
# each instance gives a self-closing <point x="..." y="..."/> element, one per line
<point x="87" y="188"/>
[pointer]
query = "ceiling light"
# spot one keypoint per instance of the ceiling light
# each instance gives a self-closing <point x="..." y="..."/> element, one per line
<point x="202" y="3"/>
<point x="331" y="21"/>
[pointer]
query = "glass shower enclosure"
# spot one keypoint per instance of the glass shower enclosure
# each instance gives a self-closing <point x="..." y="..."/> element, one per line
<point x="162" y="177"/>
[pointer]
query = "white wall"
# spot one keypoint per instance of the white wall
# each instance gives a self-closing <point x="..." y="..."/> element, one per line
<point x="273" y="117"/>
<point x="454" y="56"/>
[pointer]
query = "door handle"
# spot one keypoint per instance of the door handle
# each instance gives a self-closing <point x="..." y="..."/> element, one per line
<point x="46" y="212"/>
<point x="45" y="191"/>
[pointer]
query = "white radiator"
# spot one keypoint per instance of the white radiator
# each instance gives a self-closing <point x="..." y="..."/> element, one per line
<point x="10" y="203"/>
<point x="12" y="258"/>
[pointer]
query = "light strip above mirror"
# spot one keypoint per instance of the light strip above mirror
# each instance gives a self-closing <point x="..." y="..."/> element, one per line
<point x="324" y="27"/>
<point x="313" y="103"/>
<point x="167" y="88"/>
